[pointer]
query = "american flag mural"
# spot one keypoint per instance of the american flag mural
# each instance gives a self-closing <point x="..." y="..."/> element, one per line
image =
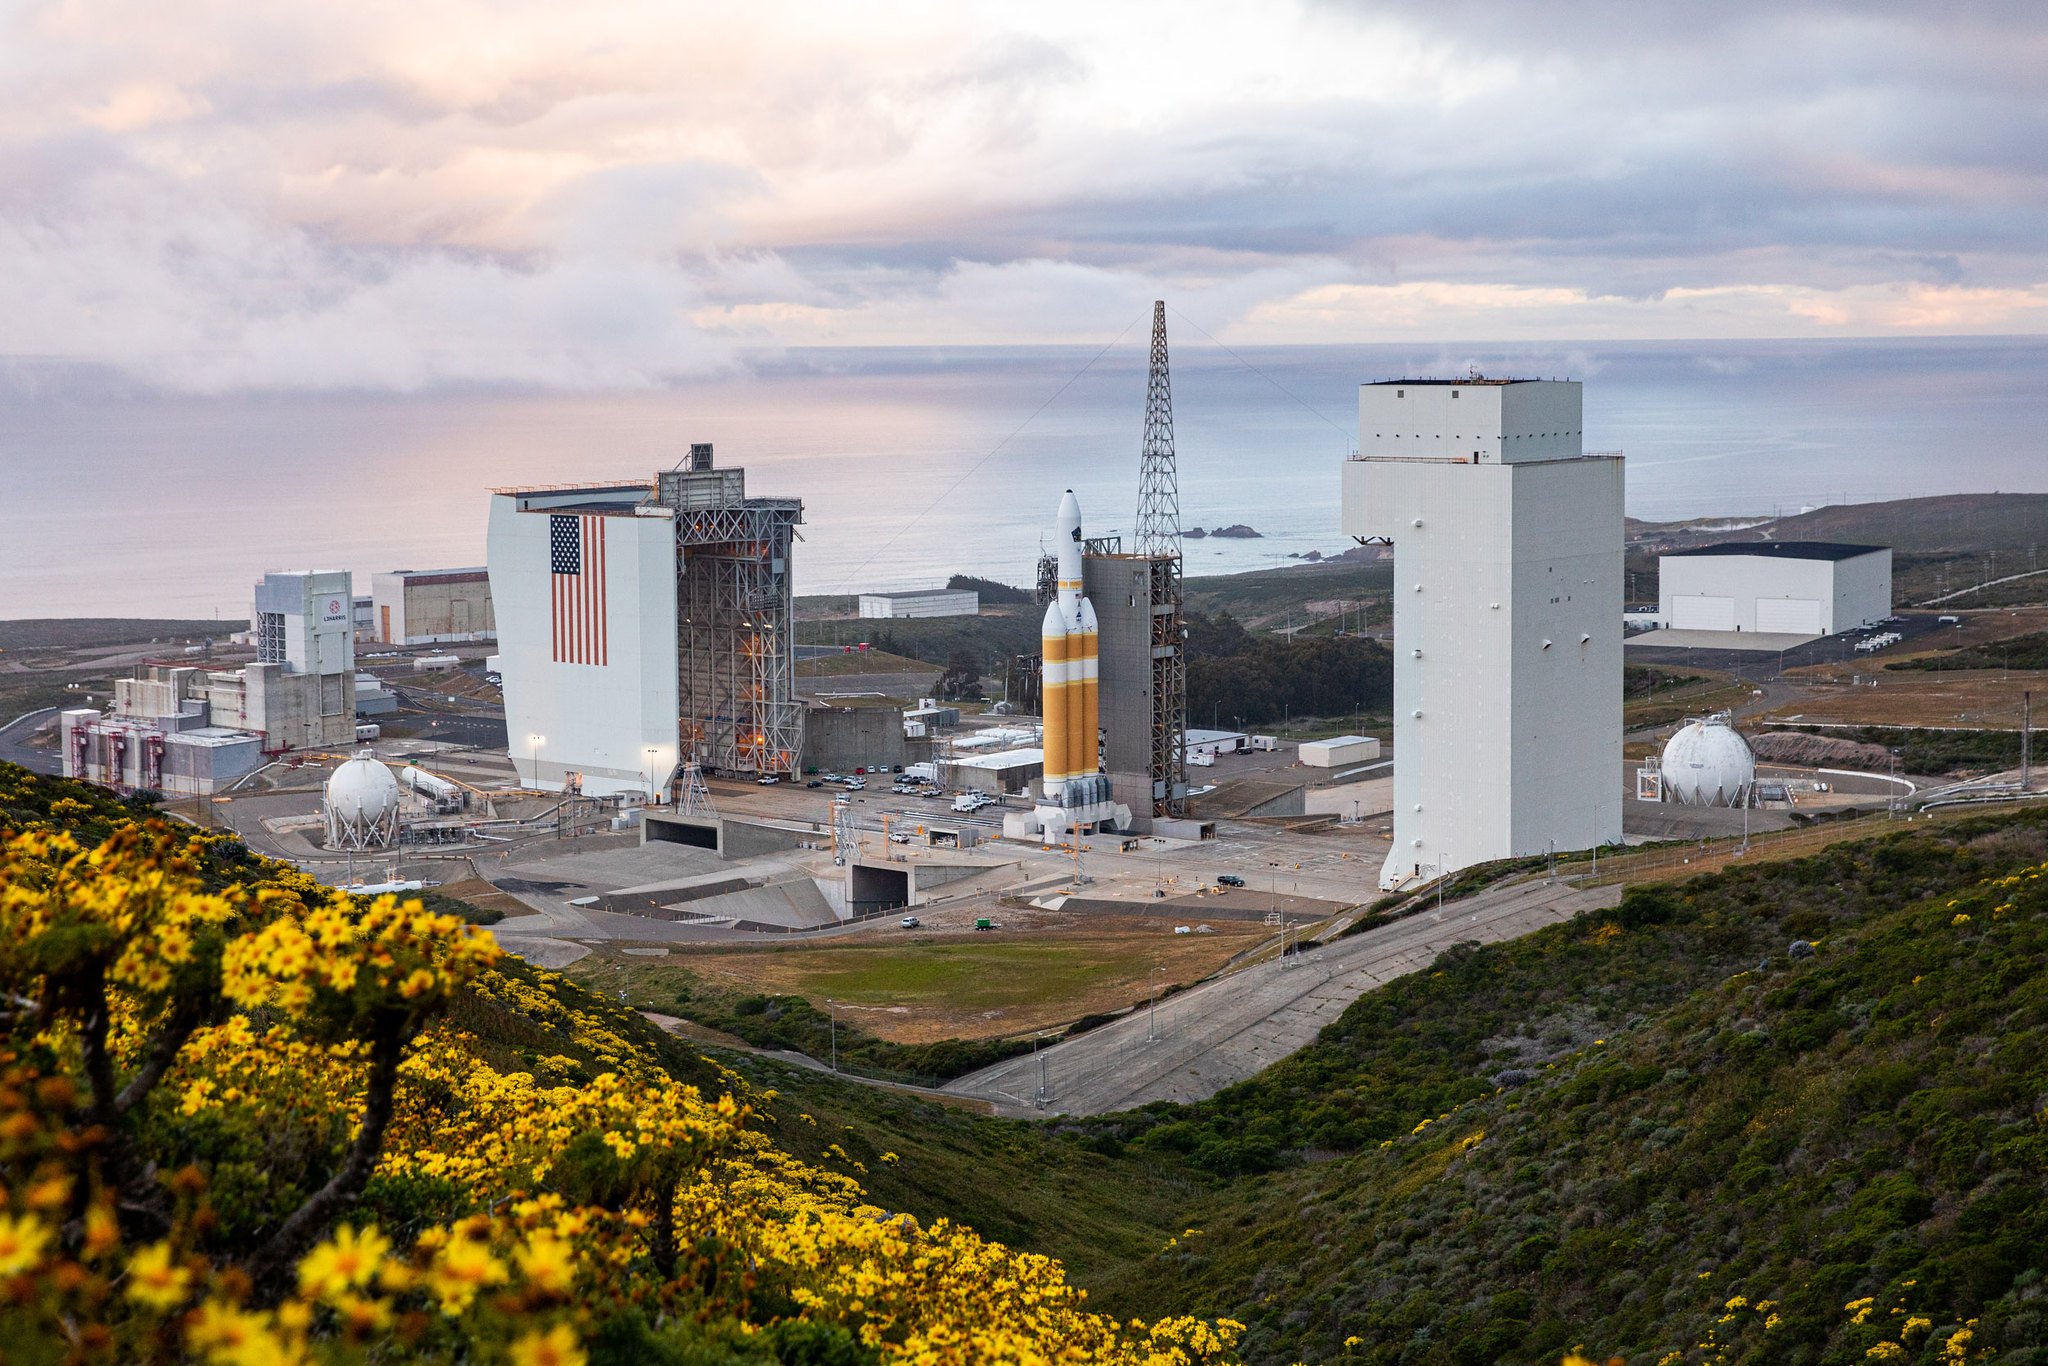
<point x="576" y="565"/>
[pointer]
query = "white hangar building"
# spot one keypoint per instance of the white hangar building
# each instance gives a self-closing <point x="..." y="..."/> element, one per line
<point x="1799" y="588"/>
<point x="1507" y="539"/>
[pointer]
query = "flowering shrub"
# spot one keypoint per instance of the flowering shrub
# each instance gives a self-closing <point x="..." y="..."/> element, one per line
<point x="240" y="1122"/>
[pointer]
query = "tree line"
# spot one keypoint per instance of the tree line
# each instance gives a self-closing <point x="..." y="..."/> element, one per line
<point x="1247" y="678"/>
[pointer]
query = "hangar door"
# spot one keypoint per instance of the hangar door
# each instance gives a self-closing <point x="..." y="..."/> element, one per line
<point x="1788" y="616"/>
<point x="1702" y="614"/>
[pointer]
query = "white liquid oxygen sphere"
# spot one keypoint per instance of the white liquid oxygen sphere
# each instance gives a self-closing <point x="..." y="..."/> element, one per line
<point x="1707" y="764"/>
<point x="362" y="790"/>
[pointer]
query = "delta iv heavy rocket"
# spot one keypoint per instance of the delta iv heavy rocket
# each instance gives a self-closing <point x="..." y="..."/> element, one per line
<point x="1075" y="791"/>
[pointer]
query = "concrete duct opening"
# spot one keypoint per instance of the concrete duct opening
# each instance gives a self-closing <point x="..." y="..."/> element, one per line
<point x="698" y="834"/>
<point x="870" y="889"/>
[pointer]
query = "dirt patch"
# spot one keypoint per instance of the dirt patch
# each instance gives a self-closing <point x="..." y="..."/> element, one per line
<point x="484" y="896"/>
<point x="1976" y="699"/>
<point x="1813" y="751"/>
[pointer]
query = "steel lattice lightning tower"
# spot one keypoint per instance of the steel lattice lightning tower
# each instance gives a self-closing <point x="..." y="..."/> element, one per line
<point x="1158" y="539"/>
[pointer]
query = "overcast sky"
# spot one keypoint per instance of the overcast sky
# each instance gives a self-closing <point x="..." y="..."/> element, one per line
<point x="582" y="193"/>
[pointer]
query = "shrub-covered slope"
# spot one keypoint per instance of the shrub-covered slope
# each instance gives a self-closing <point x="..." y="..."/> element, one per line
<point x="245" y="1118"/>
<point x="1569" y="1140"/>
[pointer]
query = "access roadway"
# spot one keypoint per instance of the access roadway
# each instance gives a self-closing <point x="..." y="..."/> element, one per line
<point x="15" y="749"/>
<point x="1193" y="1045"/>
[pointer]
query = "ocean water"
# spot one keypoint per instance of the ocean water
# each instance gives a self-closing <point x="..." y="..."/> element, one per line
<point x="917" y="463"/>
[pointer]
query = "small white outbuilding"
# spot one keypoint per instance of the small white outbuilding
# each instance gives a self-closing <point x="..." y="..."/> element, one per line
<point x="1344" y="749"/>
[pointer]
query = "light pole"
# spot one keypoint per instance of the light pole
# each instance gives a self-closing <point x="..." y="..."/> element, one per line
<point x="534" y="742"/>
<point x="651" y="751"/>
<point x="1152" y="1023"/>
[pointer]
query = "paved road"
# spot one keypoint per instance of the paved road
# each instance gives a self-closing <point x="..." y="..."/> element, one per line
<point x="1229" y="1028"/>
<point x="1768" y="663"/>
<point x="15" y="750"/>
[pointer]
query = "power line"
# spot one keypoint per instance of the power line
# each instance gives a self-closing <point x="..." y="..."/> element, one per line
<point x="993" y="451"/>
<point x="1306" y="405"/>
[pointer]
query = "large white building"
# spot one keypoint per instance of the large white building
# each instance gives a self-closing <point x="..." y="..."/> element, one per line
<point x="583" y="583"/>
<point x="645" y="624"/>
<point x="431" y="606"/>
<point x="1507" y="543"/>
<point x="922" y="602"/>
<point x="1801" y="588"/>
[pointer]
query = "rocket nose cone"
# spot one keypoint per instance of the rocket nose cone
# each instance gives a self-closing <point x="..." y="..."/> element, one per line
<point x="1070" y="507"/>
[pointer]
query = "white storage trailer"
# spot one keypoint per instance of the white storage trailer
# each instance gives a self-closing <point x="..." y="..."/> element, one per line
<point x="1345" y="749"/>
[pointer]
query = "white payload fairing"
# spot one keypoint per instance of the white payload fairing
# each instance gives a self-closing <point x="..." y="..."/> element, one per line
<point x="1075" y="792"/>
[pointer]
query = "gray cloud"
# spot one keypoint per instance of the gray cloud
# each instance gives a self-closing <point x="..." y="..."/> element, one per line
<point x="373" y="201"/>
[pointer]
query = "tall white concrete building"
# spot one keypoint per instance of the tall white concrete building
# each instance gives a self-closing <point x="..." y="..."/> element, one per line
<point x="583" y="582"/>
<point x="644" y="624"/>
<point x="1507" y="541"/>
<point x="301" y="691"/>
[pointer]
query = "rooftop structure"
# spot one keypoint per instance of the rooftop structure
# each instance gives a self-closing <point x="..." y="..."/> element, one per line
<point x="1783" y="550"/>
<point x="1507" y="541"/>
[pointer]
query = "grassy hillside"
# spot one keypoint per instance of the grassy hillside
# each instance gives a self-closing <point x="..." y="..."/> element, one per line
<point x="1655" y="1133"/>
<point x="1962" y="521"/>
<point x="1966" y="522"/>
<point x="2029" y="651"/>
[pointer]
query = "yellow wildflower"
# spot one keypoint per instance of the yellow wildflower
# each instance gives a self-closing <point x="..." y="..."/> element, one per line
<point x="155" y="1280"/>
<point x="460" y="1270"/>
<point x="21" y="1243"/>
<point x="546" y="1262"/>
<point x="556" y="1347"/>
<point x="345" y="1262"/>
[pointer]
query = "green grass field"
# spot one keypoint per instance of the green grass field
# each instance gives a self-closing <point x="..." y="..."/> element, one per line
<point x="937" y="987"/>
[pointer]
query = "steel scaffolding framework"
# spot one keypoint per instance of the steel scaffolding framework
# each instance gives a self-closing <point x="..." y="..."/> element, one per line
<point x="1158" y="538"/>
<point x="736" y="664"/>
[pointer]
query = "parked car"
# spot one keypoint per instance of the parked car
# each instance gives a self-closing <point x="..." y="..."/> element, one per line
<point x="899" y="838"/>
<point x="911" y="922"/>
<point x="1230" y="880"/>
<point x="767" y="780"/>
<point x="814" y="783"/>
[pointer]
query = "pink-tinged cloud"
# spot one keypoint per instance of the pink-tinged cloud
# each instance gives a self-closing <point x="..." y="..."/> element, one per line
<point x="219" y="196"/>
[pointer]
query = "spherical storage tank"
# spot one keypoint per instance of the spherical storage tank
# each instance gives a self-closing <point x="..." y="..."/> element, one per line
<point x="362" y="803"/>
<point x="1707" y="764"/>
